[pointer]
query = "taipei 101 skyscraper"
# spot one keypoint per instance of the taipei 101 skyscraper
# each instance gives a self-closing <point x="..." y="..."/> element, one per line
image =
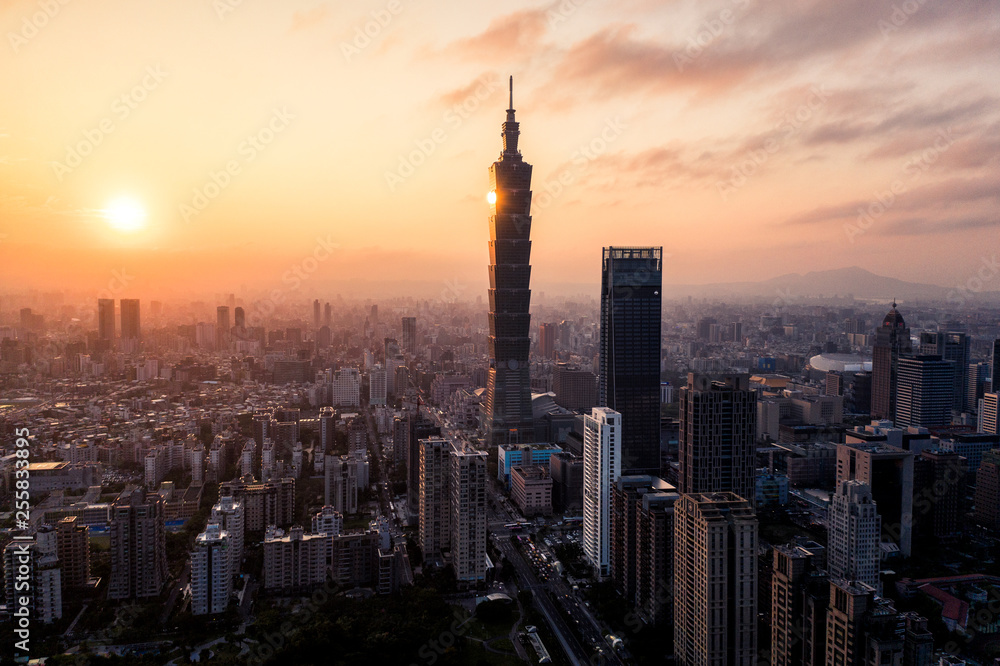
<point x="508" y="391"/>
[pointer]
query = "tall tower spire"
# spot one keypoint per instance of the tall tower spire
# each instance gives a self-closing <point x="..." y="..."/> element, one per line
<point x="508" y="393"/>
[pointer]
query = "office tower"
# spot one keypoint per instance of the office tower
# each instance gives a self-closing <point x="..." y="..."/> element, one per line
<point x="316" y="314"/>
<point x="855" y="534"/>
<point x="718" y="424"/>
<point x="531" y="489"/>
<point x="327" y="315"/>
<point x="508" y="418"/>
<point x="952" y="347"/>
<point x="892" y="339"/>
<point x="341" y="487"/>
<point x="211" y="573"/>
<point x="131" y="329"/>
<point x="410" y="335"/>
<point x="988" y="419"/>
<point x="32" y="571"/>
<point x="924" y="391"/>
<point x="602" y="449"/>
<point x="888" y="472"/>
<point x="395" y="382"/>
<point x="264" y="503"/>
<point x="995" y="367"/>
<point x="222" y="328"/>
<point x="138" y="546"/>
<point x="420" y="428"/>
<point x="327" y="428"/>
<point x="798" y="567"/>
<point x="400" y="441"/>
<point x="296" y="561"/>
<point x="715" y="580"/>
<point x="434" y="496"/>
<point x="987" y="507"/>
<point x="976" y="385"/>
<point x="391" y="348"/>
<point x="566" y="470"/>
<point x="73" y="550"/>
<point x="240" y="321"/>
<point x="345" y="388"/>
<point x="859" y="397"/>
<point x="938" y="495"/>
<point x="468" y="519"/>
<point x="574" y="388"/>
<point x="629" y="377"/>
<point x="377" y="385"/>
<point x="106" y="322"/>
<point x="230" y="515"/>
<point x="654" y="566"/>
<point x="547" y="340"/>
<point x="627" y="493"/>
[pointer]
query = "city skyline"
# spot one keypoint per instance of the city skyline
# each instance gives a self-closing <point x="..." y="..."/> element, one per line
<point x="656" y="105"/>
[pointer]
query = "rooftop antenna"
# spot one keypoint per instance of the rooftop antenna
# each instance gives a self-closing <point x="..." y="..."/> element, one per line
<point x="511" y="92"/>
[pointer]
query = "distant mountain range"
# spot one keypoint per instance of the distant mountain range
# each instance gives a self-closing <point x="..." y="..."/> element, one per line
<point x="833" y="285"/>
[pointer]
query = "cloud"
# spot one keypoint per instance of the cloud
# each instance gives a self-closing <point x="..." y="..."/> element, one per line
<point x="308" y="18"/>
<point x="519" y="32"/>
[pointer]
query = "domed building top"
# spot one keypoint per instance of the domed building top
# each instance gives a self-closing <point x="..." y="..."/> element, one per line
<point x="894" y="319"/>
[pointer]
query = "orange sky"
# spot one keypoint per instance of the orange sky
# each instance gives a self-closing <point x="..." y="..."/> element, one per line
<point x="743" y="136"/>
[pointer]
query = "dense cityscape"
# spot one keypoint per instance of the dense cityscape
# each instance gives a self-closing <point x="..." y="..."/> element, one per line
<point x="430" y="333"/>
<point x="627" y="480"/>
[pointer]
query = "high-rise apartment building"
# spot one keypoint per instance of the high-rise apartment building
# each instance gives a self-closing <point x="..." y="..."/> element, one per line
<point x="855" y="534"/>
<point x="419" y="428"/>
<point x="508" y="418"/>
<point x="798" y="570"/>
<point x="468" y="520"/>
<point x="73" y="550"/>
<point x="654" y="565"/>
<point x="892" y="339"/>
<point x="264" y="503"/>
<point x="230" y="515"/>
<point x="211" y="571"/>
<point x="987" y="507"/>
<point x="342" y="483"/>
<point x="715" y="580"/>
<point x="925" y="387"/>
<point x="34" y="564"/>
<point x="629" y="377"/>
<point x="718" y="426"/>
<point x="434" y="498"/>
<point x="602" y="442"/>
<point x="627" y="495"/>
<point x="296" y="561"/>
<point x="138" y="546"/>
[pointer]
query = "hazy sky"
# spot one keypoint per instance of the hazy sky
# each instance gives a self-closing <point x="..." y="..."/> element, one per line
<point x="743" y="136"/>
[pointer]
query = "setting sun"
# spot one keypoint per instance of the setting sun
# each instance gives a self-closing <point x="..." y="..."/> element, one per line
<point x="125" y="214"/>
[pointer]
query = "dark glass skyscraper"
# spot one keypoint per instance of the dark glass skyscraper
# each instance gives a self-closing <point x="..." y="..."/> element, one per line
<point x="892" y="339"/>
<point x="629" y="380"/>
<point x="508" y="389"/>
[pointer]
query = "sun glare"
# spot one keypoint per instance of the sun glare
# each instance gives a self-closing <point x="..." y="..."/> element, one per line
<point x="125" y="215"/>
<point x="492" y="197"/>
